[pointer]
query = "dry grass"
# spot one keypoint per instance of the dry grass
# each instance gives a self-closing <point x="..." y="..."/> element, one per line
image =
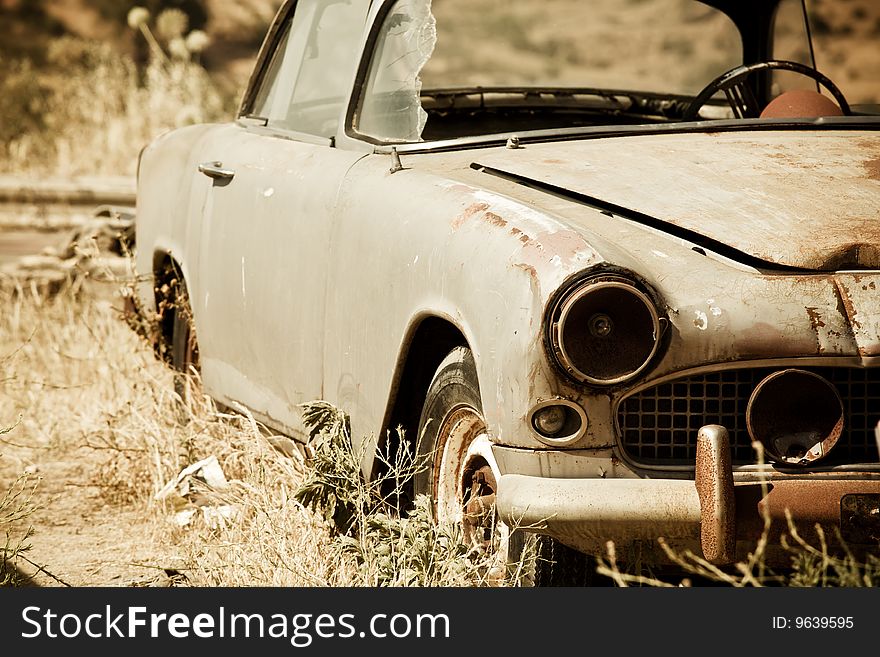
<point x="16" y="506"/>
<point x="86" y="387"/>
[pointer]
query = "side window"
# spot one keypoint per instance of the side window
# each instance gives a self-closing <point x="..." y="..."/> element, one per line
<point x="308" y="79"/>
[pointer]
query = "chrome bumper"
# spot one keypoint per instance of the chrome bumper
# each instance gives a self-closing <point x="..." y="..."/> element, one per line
<point x="707" y="513"/>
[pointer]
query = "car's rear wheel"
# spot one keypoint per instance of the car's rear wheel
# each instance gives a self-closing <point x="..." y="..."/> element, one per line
<point x="462" y="480"/>
<point x="184" y="347"/>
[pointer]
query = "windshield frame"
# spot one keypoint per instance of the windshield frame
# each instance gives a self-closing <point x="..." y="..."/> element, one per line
<point x="736" y="10"/>
<point x="753" y="19"/>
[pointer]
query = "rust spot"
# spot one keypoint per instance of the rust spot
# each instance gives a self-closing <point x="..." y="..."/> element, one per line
<point x="714" y="482"/>
<point x="813" y="501"/>
<point x="521" y="236"/>
<point x="848" y="307"/>
<point x="534" y="279"/>
<point x="816" y="323"/>
<point x="815" y="318"/>
<point x="872" y="168"/>
<point x="469" y="212"/>
<point x="791" y="161"/>
<point x="528" y="268"/>
<point x="494" y="219"/>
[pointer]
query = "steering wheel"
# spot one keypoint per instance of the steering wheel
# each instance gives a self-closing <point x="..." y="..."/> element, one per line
<point x="739" y="95"/>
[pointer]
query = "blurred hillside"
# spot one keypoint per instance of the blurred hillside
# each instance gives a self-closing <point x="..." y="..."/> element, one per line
<point x="235" y="29"/>
<point x="83" y="87"/>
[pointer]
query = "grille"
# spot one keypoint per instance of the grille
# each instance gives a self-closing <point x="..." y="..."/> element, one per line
<point x="658" y="426"/>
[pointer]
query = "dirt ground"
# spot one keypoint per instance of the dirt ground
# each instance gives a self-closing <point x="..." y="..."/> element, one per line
<point x="56" y="400"/>
<point x="82" y="535"/>
<point x="79" y="539"/>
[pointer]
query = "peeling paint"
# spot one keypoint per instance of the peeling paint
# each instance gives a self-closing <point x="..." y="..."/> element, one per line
<point x="859" y="304"/>
<point x="816" y="323"/>
<point x="760" y="197"/>
<point x="494" y="219"/>
<point x="815" y="318"/>
<point x="702" y="321"/>
<point x="470" y="211"/>
<point x="848" y="306"/>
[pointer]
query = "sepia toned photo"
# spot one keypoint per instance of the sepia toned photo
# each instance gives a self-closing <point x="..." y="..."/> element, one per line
<point x="440" y="293"/>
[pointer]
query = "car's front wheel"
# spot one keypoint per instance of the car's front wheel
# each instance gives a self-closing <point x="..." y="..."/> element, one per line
<point x="462" y="480"/>
<point x="461" y="475"/>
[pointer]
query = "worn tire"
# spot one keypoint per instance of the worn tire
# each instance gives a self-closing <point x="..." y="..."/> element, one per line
<point x="460" y="474"/>
<point x="454" y="385"/>
<point x="452" y="438"/>
<point x="453" y="400"/>
<point x="184" y="348"/>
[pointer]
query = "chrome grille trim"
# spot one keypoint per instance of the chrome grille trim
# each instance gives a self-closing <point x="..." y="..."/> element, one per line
<point x="657" y="425"/>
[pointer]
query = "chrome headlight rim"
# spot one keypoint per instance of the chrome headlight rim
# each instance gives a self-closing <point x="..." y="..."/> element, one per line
<point x="561" y="308"/>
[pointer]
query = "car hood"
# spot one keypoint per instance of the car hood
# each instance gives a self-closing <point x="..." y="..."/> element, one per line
<point x="808" y="200"/>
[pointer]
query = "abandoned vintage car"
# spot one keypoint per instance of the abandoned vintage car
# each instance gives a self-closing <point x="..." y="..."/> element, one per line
<point x="617" y="265"/>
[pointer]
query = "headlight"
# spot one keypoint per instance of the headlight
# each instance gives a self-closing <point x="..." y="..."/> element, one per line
<point x="604" y="330"/>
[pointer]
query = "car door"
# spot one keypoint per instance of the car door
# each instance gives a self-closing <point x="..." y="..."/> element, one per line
<point x="268" y="218"/>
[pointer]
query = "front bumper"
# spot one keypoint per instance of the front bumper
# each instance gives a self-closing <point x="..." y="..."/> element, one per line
<point x="710" y="515"/>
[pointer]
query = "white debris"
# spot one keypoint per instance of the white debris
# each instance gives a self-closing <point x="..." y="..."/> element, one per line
<point x="193" y="494"/>
<point x="208" y="470"/>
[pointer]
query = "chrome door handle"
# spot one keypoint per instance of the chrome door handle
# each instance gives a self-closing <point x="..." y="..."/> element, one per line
<point x="216" y="170"/>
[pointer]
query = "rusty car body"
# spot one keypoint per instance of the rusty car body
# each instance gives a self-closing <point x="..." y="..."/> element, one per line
<point x="609" y="311"/>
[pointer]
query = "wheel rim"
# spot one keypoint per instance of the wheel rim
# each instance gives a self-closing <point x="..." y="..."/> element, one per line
<point x="465" y="484"/>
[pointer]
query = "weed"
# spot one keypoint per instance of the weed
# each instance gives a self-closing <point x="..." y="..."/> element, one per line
<point x="390" y="545"/>
<point x="16" y="506"/>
